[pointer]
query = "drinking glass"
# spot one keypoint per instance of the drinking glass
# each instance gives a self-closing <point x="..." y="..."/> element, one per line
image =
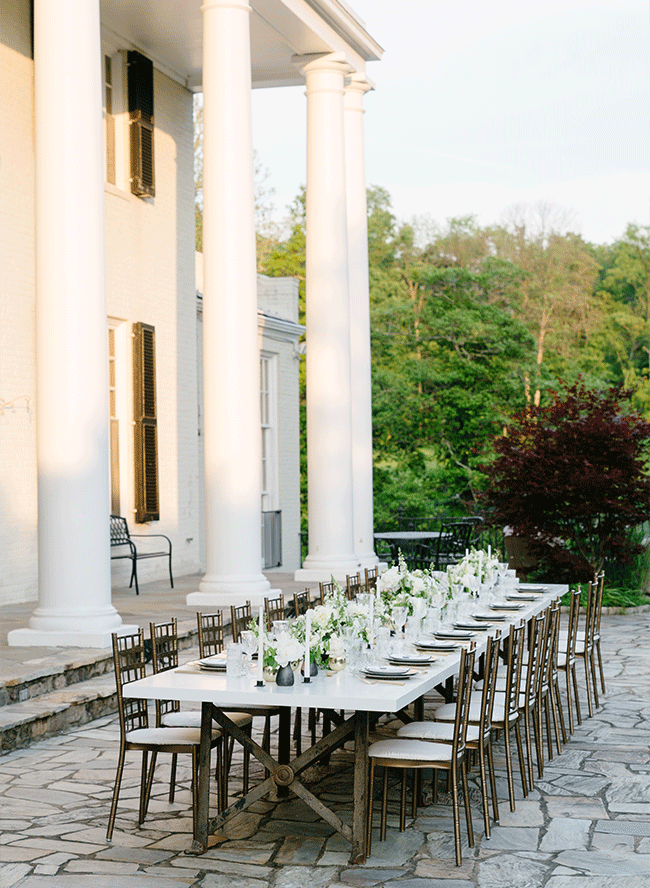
<point x="398" y="616"/>
<point x="249" y="645"/>
<point x="234" y="659"/>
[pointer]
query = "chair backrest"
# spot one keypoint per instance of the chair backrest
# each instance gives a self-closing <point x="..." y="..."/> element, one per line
<point x="353" y="586"/>
<point x="241" y="619"/>
<point x="326" y="589"/>
<point x="572" y="629"/>
<point x="164" y="649"/>
<point x="600" y="581"/>
<point x="453" y="540"/>
<point x="537" y="650"/>
<point x="274" y="609"/>
<point x="488" y="694"/>
<point x="301" y="602"/>
<point x="549" y="666"/>
<point x="463" y="699"/>
<point x="591" y="614"/>
<point x="514" y="655"/>
<point x="371" y="578"/>
<point x="210" y="628"/>
<point x="128" y="661"/>
<point x="119" y="531"/>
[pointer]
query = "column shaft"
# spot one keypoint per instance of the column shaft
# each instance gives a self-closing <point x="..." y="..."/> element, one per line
<point x="360" y="372"/>
<point x="71" y="333"/>
<point x="329" y="453"/>
<point x="230" y="339"/>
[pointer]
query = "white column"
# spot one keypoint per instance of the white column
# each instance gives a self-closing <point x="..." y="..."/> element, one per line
<point x="230" y="344"/>
<point x="360" y="378"/>
<point x="329" y="437"/>
<point x="71" y="334"/>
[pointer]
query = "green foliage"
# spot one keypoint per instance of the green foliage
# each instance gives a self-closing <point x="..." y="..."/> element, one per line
<point x="571" y="477"/>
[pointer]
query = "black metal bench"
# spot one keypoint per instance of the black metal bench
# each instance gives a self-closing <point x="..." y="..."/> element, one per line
<point x="120" y="536"/>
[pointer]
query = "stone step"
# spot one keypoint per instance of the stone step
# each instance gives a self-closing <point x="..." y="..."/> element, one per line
<point x="21" y="724"/>
<point x="56" y="694"/>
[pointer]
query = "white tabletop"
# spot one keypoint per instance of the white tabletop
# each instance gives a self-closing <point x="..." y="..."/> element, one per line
<point x="340" y="690"/>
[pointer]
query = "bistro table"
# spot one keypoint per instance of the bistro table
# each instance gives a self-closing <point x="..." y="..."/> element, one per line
<point x="337" y="691"/>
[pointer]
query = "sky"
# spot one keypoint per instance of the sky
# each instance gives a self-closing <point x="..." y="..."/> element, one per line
<point x="481" y="106"/>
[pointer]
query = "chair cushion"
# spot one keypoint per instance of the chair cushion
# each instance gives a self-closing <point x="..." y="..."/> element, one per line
<point x="168" y="736"/>
<point x="447" y="713"/>
<point x="418" y="750"/>
<point x="192" y="719"/>
<point x="443" y="732"/>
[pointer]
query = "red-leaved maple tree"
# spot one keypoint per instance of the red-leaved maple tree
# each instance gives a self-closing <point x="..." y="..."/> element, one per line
<point x="572" y="477"/>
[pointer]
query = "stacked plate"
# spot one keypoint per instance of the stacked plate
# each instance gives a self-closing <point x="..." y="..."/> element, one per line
<point x="410" y="660"/>
<point x="472" y="627"/>
<point x="213" y="664"/>
<point x="387" y="672"/>
<point x="521" y="597"/>
<point x="505" y="606"/>
<point x="456" y="634"/>
<point x="532" y="587"/>
<point x="436" y="646"/>
<point x="489" y="618"/>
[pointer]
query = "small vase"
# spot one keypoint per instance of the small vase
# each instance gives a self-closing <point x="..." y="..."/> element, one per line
<point x="313" y="668"/>
<point x="284" y="678"/>
<point x="336" y="664"/>
<point x="269" y="673"/>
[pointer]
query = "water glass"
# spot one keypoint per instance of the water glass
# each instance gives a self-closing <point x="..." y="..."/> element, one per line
<point x="235" y="659"/>
<point x="382" y="636"/>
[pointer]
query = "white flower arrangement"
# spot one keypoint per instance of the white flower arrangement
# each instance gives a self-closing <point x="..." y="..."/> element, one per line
<point x="288" y="650"/>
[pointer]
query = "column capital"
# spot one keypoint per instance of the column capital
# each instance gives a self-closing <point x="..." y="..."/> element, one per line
<point x="359" y="84"/>
<point x="322" y="61"/>
<point x="225" y="4"/>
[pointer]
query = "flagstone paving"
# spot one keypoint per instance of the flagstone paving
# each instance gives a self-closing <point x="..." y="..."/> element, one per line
<point x="586" y="824"/>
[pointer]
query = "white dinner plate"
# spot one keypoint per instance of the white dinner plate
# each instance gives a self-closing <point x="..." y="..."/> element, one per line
<point x="472" y="627"/>
<point x="387" y="671"/>
<point x="217" y="664"/>
<point x="412" y="660"/>
<point x="532" y="587"/>
<point x="436" y="646"/>
<point x="489" y="618"/>
<point x="505" y="606"/>
<point x="460" y="636"/>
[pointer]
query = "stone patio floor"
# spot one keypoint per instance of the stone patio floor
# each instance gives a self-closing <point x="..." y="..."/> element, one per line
<point x="586" y="824"/>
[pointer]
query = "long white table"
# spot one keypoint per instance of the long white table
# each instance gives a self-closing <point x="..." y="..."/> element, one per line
<point x="338" y="691"/>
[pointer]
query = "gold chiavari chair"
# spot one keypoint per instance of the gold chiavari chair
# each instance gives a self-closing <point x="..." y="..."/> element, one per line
<point x="353" y="586"/>
<point x="416" y="755"/>
<point x="566" y="657"/>
<point x="135" y="733"/>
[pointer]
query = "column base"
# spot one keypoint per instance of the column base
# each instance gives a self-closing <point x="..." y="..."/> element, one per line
<point x="317" y="570"/>
<point x="79" y="638"/>
<point x="220" y="592"/>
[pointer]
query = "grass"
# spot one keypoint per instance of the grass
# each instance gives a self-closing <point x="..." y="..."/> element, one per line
<point x="614" y="596"/>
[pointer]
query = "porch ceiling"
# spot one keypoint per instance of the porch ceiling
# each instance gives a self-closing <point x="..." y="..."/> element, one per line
<point x="170" y="32"/>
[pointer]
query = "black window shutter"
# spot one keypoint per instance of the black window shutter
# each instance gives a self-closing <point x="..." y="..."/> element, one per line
<point x="145" y="424"/>
<point x="140" y="80"/>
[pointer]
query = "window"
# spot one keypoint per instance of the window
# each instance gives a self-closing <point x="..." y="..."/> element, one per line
<point x="268" y="415"/>
<point x="114" y="424"/>
<point x="110" y="126"/>
<point x="145" y="424"/>
<point x="140" y="80"/>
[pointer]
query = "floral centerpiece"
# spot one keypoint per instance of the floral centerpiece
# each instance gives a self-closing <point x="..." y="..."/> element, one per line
<point x="414" y="589"/>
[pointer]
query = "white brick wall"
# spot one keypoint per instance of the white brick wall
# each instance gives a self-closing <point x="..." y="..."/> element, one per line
<point x="18" y="506"/>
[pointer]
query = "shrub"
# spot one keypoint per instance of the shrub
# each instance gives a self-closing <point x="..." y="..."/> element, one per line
<point x="572" y="477"/>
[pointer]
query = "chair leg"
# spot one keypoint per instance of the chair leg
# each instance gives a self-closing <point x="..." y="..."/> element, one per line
<point x="116" y="793"/>
<point x="588" y="683"/>
<point x="456" y="812"/>
<point x="384" y="807"/>
<point x="493" y="784"/>
<point x="402" y="802"/>
<point x="600" y="664"/>
<point x="171" y="578"/>
<point x="594" y="681"/>
<point x="484" y="789"/>
<point x="468" y="809"/>
<point x="511" y="780"/>
<point x="520" y="751"/>
<point x="576" y="695"/>
<point x="144" y="799"/>
<point x="172" y="777"/>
